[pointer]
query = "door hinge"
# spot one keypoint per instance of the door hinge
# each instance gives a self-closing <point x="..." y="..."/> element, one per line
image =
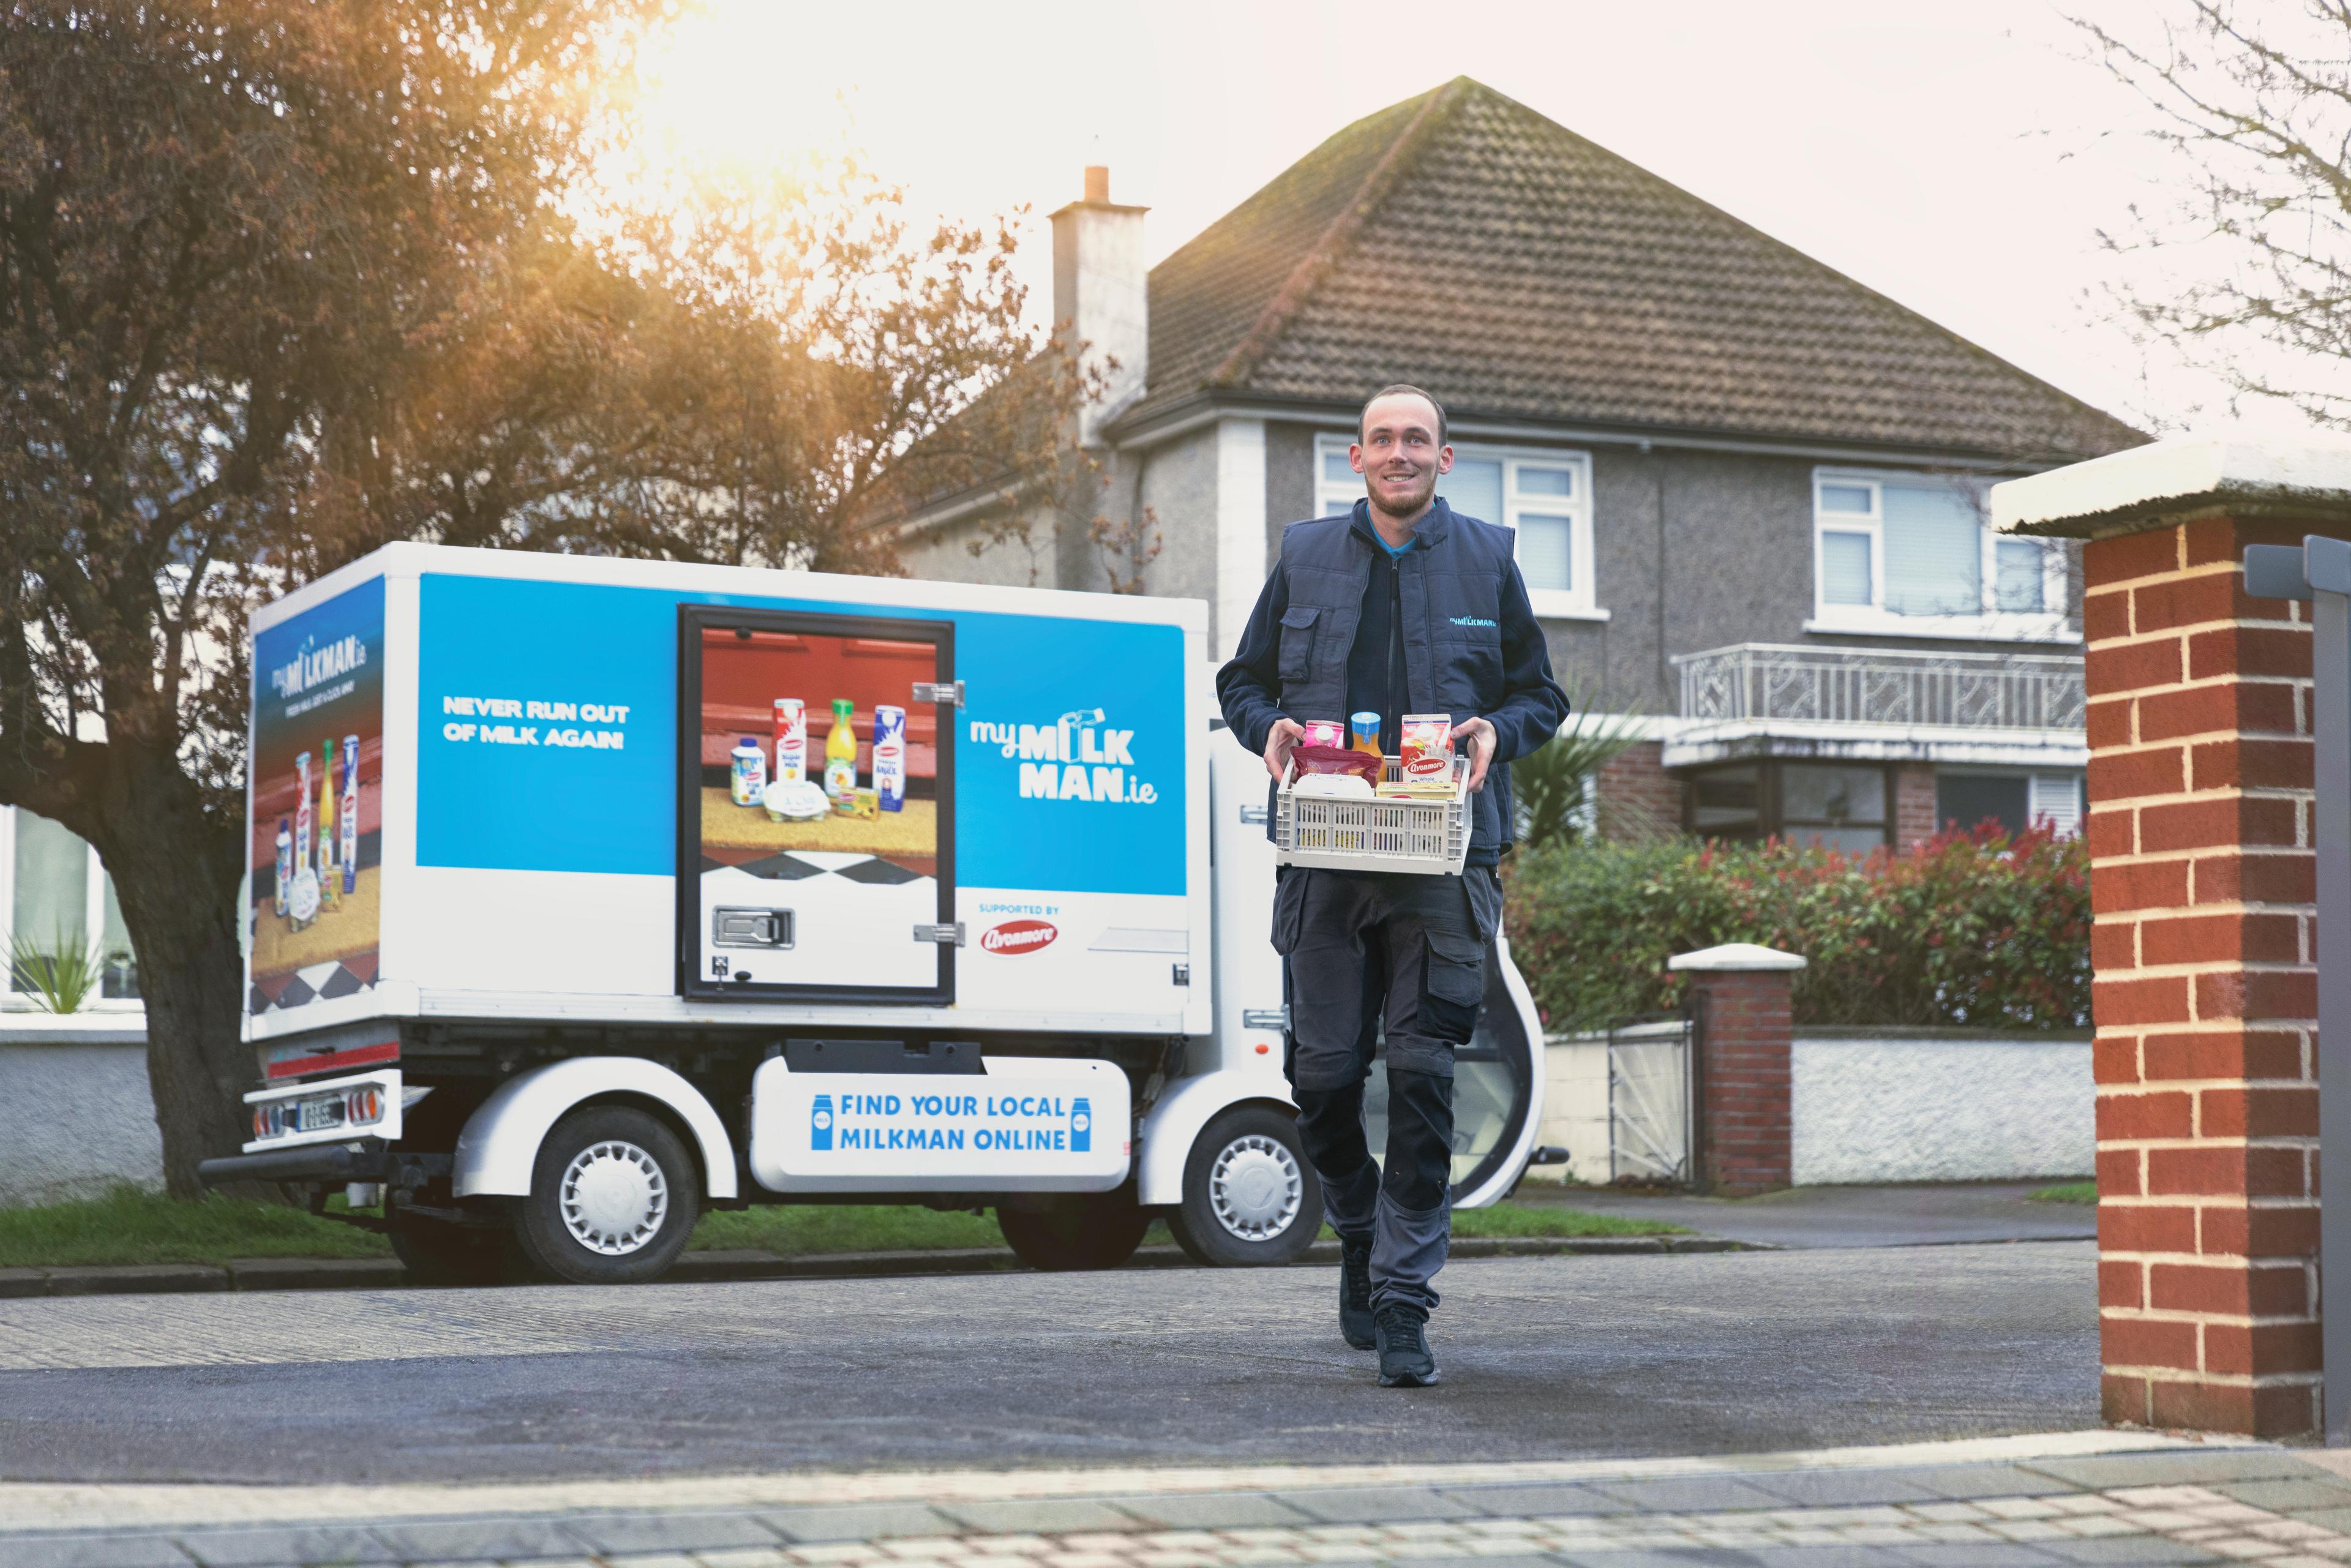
<point x="1266" y="1018"/>
<point x="1253" y="816"/>
<point x="949" y="693"/>
<point x="1183" y="974"/>
<point x="945" y="936"/>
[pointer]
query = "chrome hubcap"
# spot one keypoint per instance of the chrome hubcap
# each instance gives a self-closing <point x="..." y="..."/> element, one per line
<point x="1255" y="1188"/>
<point x="614" y="1197"/>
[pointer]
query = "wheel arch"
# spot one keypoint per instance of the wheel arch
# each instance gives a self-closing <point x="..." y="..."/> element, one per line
<point x="1174" y="1123"/>
<point x="501" y="1139"/>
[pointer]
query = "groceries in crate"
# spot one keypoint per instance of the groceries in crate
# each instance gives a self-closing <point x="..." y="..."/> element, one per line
<point x="1367" y="735"/>
<point x="792" y="740"/>
<point x="795" y="800"/>
<point x="1427" y="752"/>
<point x="1326" y="732"/>
<point x="749" y="774"/>
<point x="841" y="752"/>
<point x="1333" y="787"/>
<point x="1413" y="789"/>
<point x="1312" y="759"/>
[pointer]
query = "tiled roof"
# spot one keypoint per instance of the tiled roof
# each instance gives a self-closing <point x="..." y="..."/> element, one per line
<point x="1461" y="241"/>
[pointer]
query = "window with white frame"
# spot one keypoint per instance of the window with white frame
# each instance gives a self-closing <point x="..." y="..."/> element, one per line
<point x="1545" y="497"/>
<point x="60" y="900"/>
<point x="1914" y="552"/>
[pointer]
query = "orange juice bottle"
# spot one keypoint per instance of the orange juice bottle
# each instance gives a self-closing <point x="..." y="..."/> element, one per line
<point x="1366" y="727"/>
<point x="840" y="753"/>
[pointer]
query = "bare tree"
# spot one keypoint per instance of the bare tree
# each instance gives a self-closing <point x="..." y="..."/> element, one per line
<point x="2255" y="100"/>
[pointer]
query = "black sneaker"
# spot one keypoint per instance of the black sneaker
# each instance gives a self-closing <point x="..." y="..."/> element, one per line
<point x="1355" y="1294"/>
<point x="1404" y="1360"/>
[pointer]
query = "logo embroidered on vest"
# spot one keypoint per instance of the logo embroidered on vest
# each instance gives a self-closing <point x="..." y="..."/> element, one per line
<point x="1471" y="621"/>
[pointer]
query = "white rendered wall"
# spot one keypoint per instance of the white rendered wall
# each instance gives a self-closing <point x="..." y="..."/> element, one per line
<point x="1873" y="1109"/>
<point x="76" y="1114"/>
<point x="1240" y="530"/>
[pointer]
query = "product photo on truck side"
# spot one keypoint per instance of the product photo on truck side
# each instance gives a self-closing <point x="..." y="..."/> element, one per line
<point x="587" y="895"/>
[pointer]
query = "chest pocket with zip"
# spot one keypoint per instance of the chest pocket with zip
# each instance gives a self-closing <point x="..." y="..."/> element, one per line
<point x="1297" y="652"/>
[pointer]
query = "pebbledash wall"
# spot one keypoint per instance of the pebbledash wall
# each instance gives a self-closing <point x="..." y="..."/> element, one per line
<point x="1880" y="1105"/>
<point x="76" y="1114"/>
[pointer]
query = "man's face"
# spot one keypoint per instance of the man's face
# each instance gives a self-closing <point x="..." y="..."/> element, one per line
<point x="1398" y="456"/>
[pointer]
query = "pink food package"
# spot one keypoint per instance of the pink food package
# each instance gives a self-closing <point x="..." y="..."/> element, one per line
<point x="1324" y="732"/>
<point x="1428" y="754"/>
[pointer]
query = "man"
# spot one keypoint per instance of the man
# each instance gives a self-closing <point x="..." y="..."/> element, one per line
<point x="1402" y="606"/>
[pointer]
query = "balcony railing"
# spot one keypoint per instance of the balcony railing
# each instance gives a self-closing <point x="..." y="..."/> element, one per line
<point x="1771" y="681"/>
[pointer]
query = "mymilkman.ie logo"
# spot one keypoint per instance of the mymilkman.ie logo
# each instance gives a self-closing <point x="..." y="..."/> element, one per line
<point x="1077" y="756"/>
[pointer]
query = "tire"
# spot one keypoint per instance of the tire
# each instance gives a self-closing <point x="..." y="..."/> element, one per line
<point x="613" y="1198"/>
<point x="1066" y="1231"/>
<point x="1249" y="1197"/>
<point x="437" y="1254"/>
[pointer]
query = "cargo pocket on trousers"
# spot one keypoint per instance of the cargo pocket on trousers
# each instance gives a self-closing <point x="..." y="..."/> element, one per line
<point x="1288" y="909"/>
<point x="1297" y="643"/>
<point x="1452" y="987"/>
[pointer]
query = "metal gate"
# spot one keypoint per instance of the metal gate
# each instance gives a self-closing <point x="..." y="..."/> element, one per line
<point x="1652" y="1101"/>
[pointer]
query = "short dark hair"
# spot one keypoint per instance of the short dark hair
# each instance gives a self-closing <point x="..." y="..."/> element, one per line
<point x="1401" y="389"/>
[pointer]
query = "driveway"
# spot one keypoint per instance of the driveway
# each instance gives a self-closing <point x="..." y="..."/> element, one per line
<point x="1545" y="1358"/>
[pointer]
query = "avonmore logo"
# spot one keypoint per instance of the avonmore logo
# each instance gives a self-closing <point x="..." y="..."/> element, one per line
<point x="1017" y="937"/>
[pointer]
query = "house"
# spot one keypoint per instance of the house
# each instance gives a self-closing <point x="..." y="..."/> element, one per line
<point x="1749" y="492"/>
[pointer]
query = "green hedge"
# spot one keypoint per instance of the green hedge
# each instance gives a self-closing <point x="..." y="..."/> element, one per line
<point x="1973" y="930"/>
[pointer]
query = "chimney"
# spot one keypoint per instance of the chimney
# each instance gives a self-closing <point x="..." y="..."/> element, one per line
<point x="1099" y="294"/>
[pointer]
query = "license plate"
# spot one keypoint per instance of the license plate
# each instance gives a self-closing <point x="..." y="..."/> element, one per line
<point x="314" y="1116"/>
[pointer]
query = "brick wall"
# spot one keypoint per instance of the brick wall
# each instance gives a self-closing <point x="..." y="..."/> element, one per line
<point x="2206" y="995"/>
<point x="1745" y="1034"/>
<point x="1913" y="806"/>
<point x="1635" y="784"/>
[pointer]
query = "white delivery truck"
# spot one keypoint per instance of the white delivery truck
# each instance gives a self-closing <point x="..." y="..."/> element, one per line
<point x="589" y="894"/>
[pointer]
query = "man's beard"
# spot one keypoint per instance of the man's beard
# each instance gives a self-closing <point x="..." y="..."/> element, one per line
<point x="1413" y="506"/>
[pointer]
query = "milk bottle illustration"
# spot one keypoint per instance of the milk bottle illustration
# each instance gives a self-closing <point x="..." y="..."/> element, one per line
<point x="820" y="1123"/>
<point x="750" y="773"/>
<point x="349" y="807"/>
<point x="1081" y="1125"/>
<point x="303" y="825"/>
<point x="285" y="864"/>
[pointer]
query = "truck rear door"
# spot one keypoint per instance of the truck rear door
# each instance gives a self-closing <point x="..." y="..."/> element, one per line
<point x="843" y="889"/>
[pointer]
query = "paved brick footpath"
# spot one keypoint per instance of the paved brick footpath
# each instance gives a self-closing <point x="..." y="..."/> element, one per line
<point x="2082" y="1497"/>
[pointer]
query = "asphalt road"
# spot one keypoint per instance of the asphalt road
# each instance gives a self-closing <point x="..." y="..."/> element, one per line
<point x="1551" y="1358"/>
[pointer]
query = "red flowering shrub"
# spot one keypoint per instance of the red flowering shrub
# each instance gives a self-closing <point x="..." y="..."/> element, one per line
<point x="1974" y="929"/>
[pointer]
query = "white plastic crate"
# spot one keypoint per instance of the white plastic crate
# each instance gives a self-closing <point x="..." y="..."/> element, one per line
<point x="1427" y="836"/>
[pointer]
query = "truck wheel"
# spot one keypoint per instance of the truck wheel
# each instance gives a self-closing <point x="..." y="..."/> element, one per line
<point x="436" y="1253"/>
<point x="614" y="1196"/>
<point x="1249" y="1197"/>
<point x="1074" y="1230"/>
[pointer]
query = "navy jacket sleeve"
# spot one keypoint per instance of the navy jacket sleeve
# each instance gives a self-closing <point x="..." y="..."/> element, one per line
<point x="1533" y="704"/>
<point x="1248" y="684"/>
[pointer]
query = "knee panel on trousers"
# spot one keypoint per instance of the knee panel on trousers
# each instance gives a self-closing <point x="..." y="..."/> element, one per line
<point x="1331" y="1125"/>
<point x="1420" y="1139"/>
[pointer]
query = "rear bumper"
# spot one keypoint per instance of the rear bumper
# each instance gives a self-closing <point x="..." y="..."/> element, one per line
<point x="320" y="1162"/>
<point x="365" y="1161"/>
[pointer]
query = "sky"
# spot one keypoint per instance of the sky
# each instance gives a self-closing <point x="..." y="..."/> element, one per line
<point x="1961" y="159"/>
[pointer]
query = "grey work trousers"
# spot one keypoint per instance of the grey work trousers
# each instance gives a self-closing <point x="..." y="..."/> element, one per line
<point x="1360" y="951"/>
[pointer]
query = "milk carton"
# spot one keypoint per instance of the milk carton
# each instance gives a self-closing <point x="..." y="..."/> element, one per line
<point x="792" y="740"/>
<point x="890" y="756"/>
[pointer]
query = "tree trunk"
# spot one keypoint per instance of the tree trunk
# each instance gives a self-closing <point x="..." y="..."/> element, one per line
<point x="176" y="871"/>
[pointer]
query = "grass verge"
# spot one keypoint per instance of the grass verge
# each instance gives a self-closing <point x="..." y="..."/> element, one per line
<point x="128" y="1225"/>
<point x="2068" y="1192"/>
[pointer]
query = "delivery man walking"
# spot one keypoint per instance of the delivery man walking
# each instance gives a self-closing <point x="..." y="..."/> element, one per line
<point x="1402" y="606"/>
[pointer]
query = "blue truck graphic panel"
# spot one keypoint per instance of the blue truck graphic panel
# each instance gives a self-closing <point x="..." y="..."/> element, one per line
<point x="548" y="728"/>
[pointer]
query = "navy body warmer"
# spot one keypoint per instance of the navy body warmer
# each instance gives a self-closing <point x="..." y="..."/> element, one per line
<point x="1472" y="647"/>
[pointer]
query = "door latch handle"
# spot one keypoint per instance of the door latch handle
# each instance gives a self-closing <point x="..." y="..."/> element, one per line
<point x="949" y="693"/>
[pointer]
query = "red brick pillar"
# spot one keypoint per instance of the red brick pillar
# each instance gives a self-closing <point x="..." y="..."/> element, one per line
<point x="1746" y="1040"/>
<point x="2203" y="886"/>
<point x="1913" y="806"/>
